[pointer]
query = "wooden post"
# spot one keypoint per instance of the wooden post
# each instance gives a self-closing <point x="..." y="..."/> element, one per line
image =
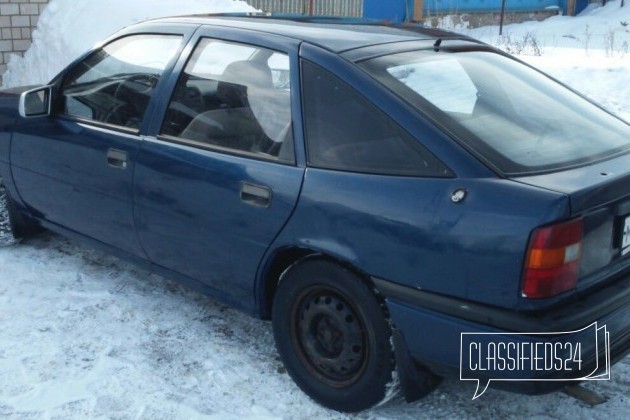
<point x="417" y="10"/>
<point x="571" y="7"/>
<point x="502" y="16"/>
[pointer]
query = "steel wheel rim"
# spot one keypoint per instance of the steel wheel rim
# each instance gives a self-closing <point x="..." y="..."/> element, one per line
<point x="330" y="336"/>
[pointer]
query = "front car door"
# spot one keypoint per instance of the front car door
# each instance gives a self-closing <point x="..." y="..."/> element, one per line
<point x="219" y="179"/>
<point x="74" y="169"/>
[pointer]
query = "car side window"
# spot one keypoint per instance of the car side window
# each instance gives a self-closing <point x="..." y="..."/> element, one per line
<point x="346" y="132"/>
<point x="114" y="85"/>
<point x="235" y="98"/>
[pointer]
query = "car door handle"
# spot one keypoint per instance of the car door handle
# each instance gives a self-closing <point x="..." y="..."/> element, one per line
<point x="257" y="195"/>
<point x="117" y="158"/>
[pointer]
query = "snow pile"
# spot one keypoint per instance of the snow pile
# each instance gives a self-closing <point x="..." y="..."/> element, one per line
<point x="67" y="28"/>
<point x="590" y="52"/>
<point x="597" y="32"/>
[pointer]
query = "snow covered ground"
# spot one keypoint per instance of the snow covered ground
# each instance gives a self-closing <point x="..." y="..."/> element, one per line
<point x="85" y="335"/>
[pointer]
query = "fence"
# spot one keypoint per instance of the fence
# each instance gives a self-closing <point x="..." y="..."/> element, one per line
<point x="349" y="8"/>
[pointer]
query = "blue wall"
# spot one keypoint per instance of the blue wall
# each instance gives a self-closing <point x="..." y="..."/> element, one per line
<point x="401" y="10"/>
<point x="445" y="6"/>
<point x="580" y="5"/>
<point x="394" y="10"/>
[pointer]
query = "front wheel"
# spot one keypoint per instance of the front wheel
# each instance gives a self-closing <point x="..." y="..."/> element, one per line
<point x="6" y="229"/>
<point x="332" y="336"/>
<point x="13" y="225"/>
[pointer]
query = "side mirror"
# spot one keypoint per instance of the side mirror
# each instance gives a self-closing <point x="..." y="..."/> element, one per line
<point x="35" y="102"/>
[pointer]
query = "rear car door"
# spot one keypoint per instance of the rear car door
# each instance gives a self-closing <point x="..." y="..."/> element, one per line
<point x="74" y="169"/>
<point x="219" y="178"/>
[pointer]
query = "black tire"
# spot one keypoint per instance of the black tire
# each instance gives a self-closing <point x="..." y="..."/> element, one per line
<point x="13" y="226"/>
<point x="6" y="227"/>
<point x="332" y="336"/>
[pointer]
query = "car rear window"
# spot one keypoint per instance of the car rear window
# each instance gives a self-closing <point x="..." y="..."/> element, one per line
<point x="513" y="117"/>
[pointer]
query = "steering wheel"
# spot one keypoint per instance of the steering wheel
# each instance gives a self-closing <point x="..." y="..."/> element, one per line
<point x="129" y="94"/>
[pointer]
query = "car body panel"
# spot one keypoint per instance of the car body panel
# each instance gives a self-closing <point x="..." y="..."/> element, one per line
<point x="9" y="99"/>
<point x="191" y="217"/>
<point x="445" y="329"/>
<point x="409" y="231"/>
<point x="8" y="110"/>
<point x="590" y="186"/>
<point x="46" y="169"/>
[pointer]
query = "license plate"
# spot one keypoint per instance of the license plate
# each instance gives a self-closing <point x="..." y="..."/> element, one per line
<point x="625" y="237"/>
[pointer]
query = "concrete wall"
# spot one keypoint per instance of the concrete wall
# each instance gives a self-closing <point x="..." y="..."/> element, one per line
<point x="18" y="18"/>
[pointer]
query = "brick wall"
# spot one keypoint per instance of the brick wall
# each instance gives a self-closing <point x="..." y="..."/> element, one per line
<point x="18" y="18"/>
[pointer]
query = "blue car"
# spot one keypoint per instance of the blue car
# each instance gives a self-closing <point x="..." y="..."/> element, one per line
<point x="375" y="190"/>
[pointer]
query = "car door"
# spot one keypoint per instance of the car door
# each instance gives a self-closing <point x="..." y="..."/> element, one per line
<point x="74" y="168"/>
<point x="219" y="179"/>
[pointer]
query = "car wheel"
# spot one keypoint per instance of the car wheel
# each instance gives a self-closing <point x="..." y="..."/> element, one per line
<point x="332" y="336"/>
<point x="13" y="226"/>
<point x="6" y="230"/>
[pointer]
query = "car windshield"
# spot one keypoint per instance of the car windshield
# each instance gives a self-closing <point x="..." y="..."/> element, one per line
<point x="513" y="117"/>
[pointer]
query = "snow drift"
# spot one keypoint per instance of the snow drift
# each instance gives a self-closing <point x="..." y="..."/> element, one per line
<point x="67" y="28"/>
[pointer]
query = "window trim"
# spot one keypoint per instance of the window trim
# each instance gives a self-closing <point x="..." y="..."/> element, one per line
<point x="99" y="124"/>
<point x="224" y="150"/>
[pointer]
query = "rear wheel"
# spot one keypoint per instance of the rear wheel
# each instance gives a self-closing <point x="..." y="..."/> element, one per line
<point x="332" y="335"/>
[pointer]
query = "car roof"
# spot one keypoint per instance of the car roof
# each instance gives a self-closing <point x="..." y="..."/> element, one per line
<point x="335" y="34"/>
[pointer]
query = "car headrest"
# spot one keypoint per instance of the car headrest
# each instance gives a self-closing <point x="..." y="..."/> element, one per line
<point x="248" y="73"/>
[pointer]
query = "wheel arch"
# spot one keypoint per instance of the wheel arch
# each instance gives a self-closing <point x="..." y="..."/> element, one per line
<point x="283" y="259"/>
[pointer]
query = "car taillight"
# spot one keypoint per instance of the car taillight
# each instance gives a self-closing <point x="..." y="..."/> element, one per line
<point x="553" y="259"/>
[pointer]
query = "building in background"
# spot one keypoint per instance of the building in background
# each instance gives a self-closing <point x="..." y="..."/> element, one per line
<point x="18" y="18"/>
<point x="419" y="10"/>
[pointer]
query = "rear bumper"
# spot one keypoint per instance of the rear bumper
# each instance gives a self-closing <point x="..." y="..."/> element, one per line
<point x="432" y="327"/>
